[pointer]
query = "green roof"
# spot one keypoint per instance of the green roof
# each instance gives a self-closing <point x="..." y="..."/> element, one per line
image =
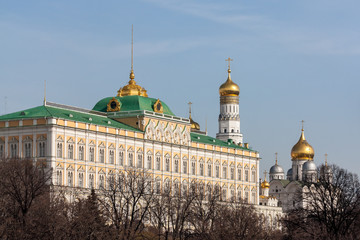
<point x="196" y="137"/>
<point x="132" y="103"/>
<point x="49" y="111"/>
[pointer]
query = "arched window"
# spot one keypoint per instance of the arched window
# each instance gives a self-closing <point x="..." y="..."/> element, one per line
<point x="158" y="160"/>
<point x="167" y="164"/>
<point x="224" y="130"/>
<point x="130" y="160"/>
<point x="232" y="173"/>
<point x="28" y="149"/>
<point x="224" y="172"/>
<point x="1" y="150"/>
<point x="239" y="174"/>
<point x="58" y="177"/>
<point x="246" y="175"/>
<point x="121" y="158"/>
<point x="59" y="150"/>
<point x="13" y="150"/>
<point x="176" y="167"/>
<point x="91" y="180"/>
<point x="193" y="167"/>
<point x="70" y="178"/>
<point x="41" y="149"/>
<point x="184" y="166"/>
<point x="91" y="154"/>
<point x="253" y="173"/>
<point x="149" y="160"/>
<point x="209" y="170"/>
<point x="201" y="169"/>
<point x="81" y="180"/>
<point x="101" y="181"/>
<point x="70" y="151"/>
<point x="102" y="155"/>
<point x="81" y="152"/>
<point x="111" y="156"/>
<point x="139" y="161"/>
<point x="217" y="171"/>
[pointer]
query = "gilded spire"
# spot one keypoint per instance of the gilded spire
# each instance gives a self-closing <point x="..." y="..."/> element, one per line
<point x="326" y="159"/>
<point x="276" y="161"/>
<point x="190" y="109"/>
<point x="194" y="125"/>
<point x="132" y="88"/>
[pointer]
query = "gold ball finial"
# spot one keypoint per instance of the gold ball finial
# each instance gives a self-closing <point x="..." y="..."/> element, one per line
<point x="229" y="88"/>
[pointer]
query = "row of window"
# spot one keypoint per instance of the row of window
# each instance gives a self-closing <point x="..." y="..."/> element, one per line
<point x="27" y="150"/>
<point x="167" y="186"/>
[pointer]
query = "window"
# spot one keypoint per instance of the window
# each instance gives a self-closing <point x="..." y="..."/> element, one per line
<point x="157" y="187"/>
<point x="41" y="149"/>
<point x="176" y="189"/>
<point x="27" y="150"/>
<point x="246" y="175"/>
<point x="13" y="150"/>
<point x="101" y="181"/>
<point x="246" y="199"/>
<point x="209" y="170"/>
<point x="70" y="151"/>
<point x="101" y="155"/>
<point x="184" y="166"/>
<point x="149" y="159"/>
<point x="239" y="195"/>
<point x="253" y="197"/>
<point x="239" y="174"/>
<point x="1" y="150"/>
<point x="193" y="165"/>
<point x="70" y="178"/>
<point x="121" y="158"/>
<point x="91" y="180"/>
<point x="91" y="154"/>
<point x="253" y="173"/>
<point x="139" y="162"/>
<point x="232" y="173"/>
<point x="201" y="169"/>
<point x="224" y="172"/>
<point x="81" y="152"/>
<point x="223" y="194"/>
<point x="167" y="164"/>
<point x="158" y="159"/>
<point x="130" y="159"/>
<point x="176" y="167"/>
<point x="81" y="180"/>
<point x="111" y="156"/>
<point x="225" y="130"/>
<point x="58" y="177"/>
<point x="217" y="171"/>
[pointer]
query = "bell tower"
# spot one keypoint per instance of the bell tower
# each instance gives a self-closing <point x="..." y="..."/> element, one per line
<point x="229" y="118"/>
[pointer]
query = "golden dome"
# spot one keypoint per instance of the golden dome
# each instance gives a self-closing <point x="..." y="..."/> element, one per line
<point x="229" y="88"/>
<point x="132" y="88"/>
<point x="265" y="184"/>
<point x="194" y="125"/>
<point x="302" y="150"/>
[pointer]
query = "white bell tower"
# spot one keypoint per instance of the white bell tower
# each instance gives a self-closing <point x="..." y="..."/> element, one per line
<point x="229" y="117"/>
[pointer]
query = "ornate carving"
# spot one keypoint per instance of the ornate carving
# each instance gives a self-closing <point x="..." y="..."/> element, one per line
<point x="113" y="105"/>
<point x="158" y="107"/>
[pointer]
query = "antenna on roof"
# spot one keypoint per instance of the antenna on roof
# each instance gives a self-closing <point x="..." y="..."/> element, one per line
<point x="44" y="92"/>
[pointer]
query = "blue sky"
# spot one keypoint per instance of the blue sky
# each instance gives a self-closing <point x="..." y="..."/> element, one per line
<point x="293" y="61"/>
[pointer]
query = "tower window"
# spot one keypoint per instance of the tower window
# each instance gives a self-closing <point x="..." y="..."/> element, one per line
<point x="232" y="130"/>
<point x="225" y="130"/>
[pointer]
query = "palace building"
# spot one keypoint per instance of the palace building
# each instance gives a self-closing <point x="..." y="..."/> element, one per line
<point x="132" y="130"/>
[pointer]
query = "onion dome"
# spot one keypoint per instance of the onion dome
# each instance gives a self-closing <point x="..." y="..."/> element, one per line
<point x="265" y="184"/>
<point x="229" y="88"/>
<point x="132" y="88"/>
<point x="302" y="150"/>
<point x="289" y="173"/>
<point x="194" y="125"/>
<point x="276" y="169"/>
<point x="309" y="166"/>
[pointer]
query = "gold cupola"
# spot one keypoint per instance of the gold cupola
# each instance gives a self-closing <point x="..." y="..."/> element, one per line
<point x="265" y="184"/>
<point x="229" y="88"/>
<point x="194" y="125"/>
<point x="302" y="150"/>
<point x="132" y="88"/>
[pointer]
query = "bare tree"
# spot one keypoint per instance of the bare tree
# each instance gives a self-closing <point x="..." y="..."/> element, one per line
<point x="330" y="207"/>
<point x="22" y="183"/>
<point x="126" y="202"/>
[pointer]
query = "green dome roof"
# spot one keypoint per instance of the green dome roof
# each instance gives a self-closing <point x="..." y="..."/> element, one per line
<point x="132" y="103"/>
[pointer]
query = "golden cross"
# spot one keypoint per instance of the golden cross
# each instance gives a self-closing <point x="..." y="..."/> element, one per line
<point x="228" y="60"/>
<point x="132" y="46"/>
<point x="276" y="155"/>
<point x="326" y="159"/>
<point x="265" y="172"/>
<point x="189" y="109"/>
<point x="302" y="125"/>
